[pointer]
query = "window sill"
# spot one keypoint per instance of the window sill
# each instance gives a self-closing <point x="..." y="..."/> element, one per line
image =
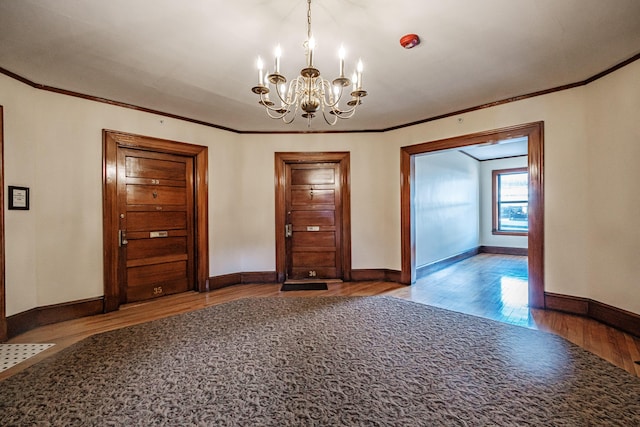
<point x="509" y="233"/>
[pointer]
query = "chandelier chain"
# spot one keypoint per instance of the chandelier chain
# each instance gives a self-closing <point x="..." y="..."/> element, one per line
<point x="308" y="19"/>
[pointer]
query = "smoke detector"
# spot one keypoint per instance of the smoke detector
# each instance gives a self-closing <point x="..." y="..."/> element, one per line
<point x="409" y="41"/>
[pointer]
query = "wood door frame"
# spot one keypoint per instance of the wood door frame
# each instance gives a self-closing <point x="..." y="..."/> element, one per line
<point x="111" y="140"/>
<point x="3" y="308"/>
<point x="343" y="159"/>
<point x="535" y="133"/>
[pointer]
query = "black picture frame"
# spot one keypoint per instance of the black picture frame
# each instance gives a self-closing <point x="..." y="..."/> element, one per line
<point x="18" y="198"/>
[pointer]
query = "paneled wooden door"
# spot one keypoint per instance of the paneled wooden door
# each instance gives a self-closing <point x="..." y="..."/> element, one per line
<point x="312" y="216"/>
<point x="313" y="231"/>
<point x="156" y="224"/>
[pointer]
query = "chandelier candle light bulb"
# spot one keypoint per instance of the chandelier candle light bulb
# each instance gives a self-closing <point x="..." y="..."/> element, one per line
<point x="278" y="54"/>
<point x="309" y="92"/>
<point x="260" y="65"/>
<point x="312" y="46"/>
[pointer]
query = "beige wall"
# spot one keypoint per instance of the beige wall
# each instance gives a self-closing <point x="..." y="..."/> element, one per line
<point x="53" y="145"/>
<point x="613" y="194"/>
<point x="447" y="206"/>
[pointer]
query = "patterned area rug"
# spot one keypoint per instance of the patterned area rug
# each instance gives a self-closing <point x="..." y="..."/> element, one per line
<point x="322" y="361"/>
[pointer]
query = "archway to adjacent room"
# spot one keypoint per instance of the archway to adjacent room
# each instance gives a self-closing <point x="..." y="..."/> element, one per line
<point x="534" y="133"/>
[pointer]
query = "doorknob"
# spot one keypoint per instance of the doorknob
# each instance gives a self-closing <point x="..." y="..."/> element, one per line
<point x="288" y="230"/>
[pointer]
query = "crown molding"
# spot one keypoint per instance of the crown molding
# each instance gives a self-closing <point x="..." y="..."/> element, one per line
<point x="426" y="120"/>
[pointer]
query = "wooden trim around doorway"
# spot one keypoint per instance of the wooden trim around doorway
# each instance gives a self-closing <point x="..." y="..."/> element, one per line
<point x="281" y="160"/>
<point x="535" y="133"/>
<point x="3" y="312"/>
<point x="110" y="142"/>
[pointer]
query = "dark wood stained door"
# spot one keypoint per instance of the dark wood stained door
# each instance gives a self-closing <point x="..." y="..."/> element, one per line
<point x="313" y="232"/>
<point x="156" y="224"/>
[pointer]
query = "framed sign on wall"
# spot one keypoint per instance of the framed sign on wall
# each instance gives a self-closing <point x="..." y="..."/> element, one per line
<point x="18" y="198"/>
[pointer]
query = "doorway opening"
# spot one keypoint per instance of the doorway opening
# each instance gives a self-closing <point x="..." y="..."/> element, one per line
<point x="533" y="132"/>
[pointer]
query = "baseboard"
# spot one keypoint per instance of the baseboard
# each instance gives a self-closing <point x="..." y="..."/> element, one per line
<point x="503" y="250"/>
<point x="217" y="282"/>
<point x="22" y="322"/>
<point x="609" y="315"/>
<point x="426" y="269"/>
<point x="40" y="316"/>
<point x="566" y="303"/>
<point x="616" y="317"/>
<point x="378" y="274"/>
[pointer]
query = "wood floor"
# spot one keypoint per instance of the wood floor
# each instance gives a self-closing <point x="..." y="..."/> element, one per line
<point x="492" y="286"/>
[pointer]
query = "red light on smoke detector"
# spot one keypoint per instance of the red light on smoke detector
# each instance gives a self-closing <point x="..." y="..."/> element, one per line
<point x="410" y="40"/>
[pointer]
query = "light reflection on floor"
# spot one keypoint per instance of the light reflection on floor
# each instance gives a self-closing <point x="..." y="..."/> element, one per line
<point x="487" y="285"/>
<point x="515" y="298"/>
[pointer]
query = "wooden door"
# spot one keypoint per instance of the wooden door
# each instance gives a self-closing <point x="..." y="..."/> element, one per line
<point x="155" y="194"/>
<point x="313" y="221"/>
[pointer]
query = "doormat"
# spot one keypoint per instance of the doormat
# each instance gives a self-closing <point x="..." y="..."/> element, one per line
<point x="308" y="286"/>
<point x="12" y="354"/>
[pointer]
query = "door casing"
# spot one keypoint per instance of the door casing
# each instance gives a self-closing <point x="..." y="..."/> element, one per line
<point x="3" y="313"/>
<point x="535" y="133"/>
<point x="111" y="140"/>
<point x="343" y="160"/>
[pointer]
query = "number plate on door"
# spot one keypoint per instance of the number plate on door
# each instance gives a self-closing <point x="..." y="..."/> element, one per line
<point x="155" y="234"/>
<point x="313" y="228"/>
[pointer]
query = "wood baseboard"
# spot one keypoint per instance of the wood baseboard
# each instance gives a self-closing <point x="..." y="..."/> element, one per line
<point x="503" y="250"/>
<point x="22" y="322"/>
<point x="596" y="310"/>
<point x="217" y="282"/>
<point x="426" y="269"/>
<point x="381" y="274"/>
<point x="40" y="316"/>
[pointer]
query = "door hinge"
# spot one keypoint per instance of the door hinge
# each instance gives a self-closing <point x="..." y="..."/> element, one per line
<point x="288" y="230"/>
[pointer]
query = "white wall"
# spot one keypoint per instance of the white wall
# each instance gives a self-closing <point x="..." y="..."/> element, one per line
<point x="612" y="211"/>
<point x="487" y="238"/>
<point x="53" y="146"/>
<point x="446" y="205"/>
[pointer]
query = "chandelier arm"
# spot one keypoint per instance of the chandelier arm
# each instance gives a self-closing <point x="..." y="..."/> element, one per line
<point x="293" y="116"/>
<point x="348" y="112"/>
<point x="328" y="86"/>
<point x="265" y="103"/>
<point x="332" y="122"/>
<point x="346" y="115"/>
<point x="286" y="102"/>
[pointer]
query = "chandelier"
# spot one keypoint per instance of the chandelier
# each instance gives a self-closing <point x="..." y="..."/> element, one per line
<point x="309" y="92"/>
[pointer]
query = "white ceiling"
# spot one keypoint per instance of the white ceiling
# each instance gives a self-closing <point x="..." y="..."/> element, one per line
<point x="513" y="147"/>
<point x="196" y="58"/>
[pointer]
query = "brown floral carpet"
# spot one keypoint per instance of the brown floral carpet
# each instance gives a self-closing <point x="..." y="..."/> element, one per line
<point x="322" y="361"/>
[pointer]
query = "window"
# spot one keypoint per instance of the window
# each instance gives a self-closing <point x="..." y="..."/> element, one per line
<point x="511" y="201"/>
